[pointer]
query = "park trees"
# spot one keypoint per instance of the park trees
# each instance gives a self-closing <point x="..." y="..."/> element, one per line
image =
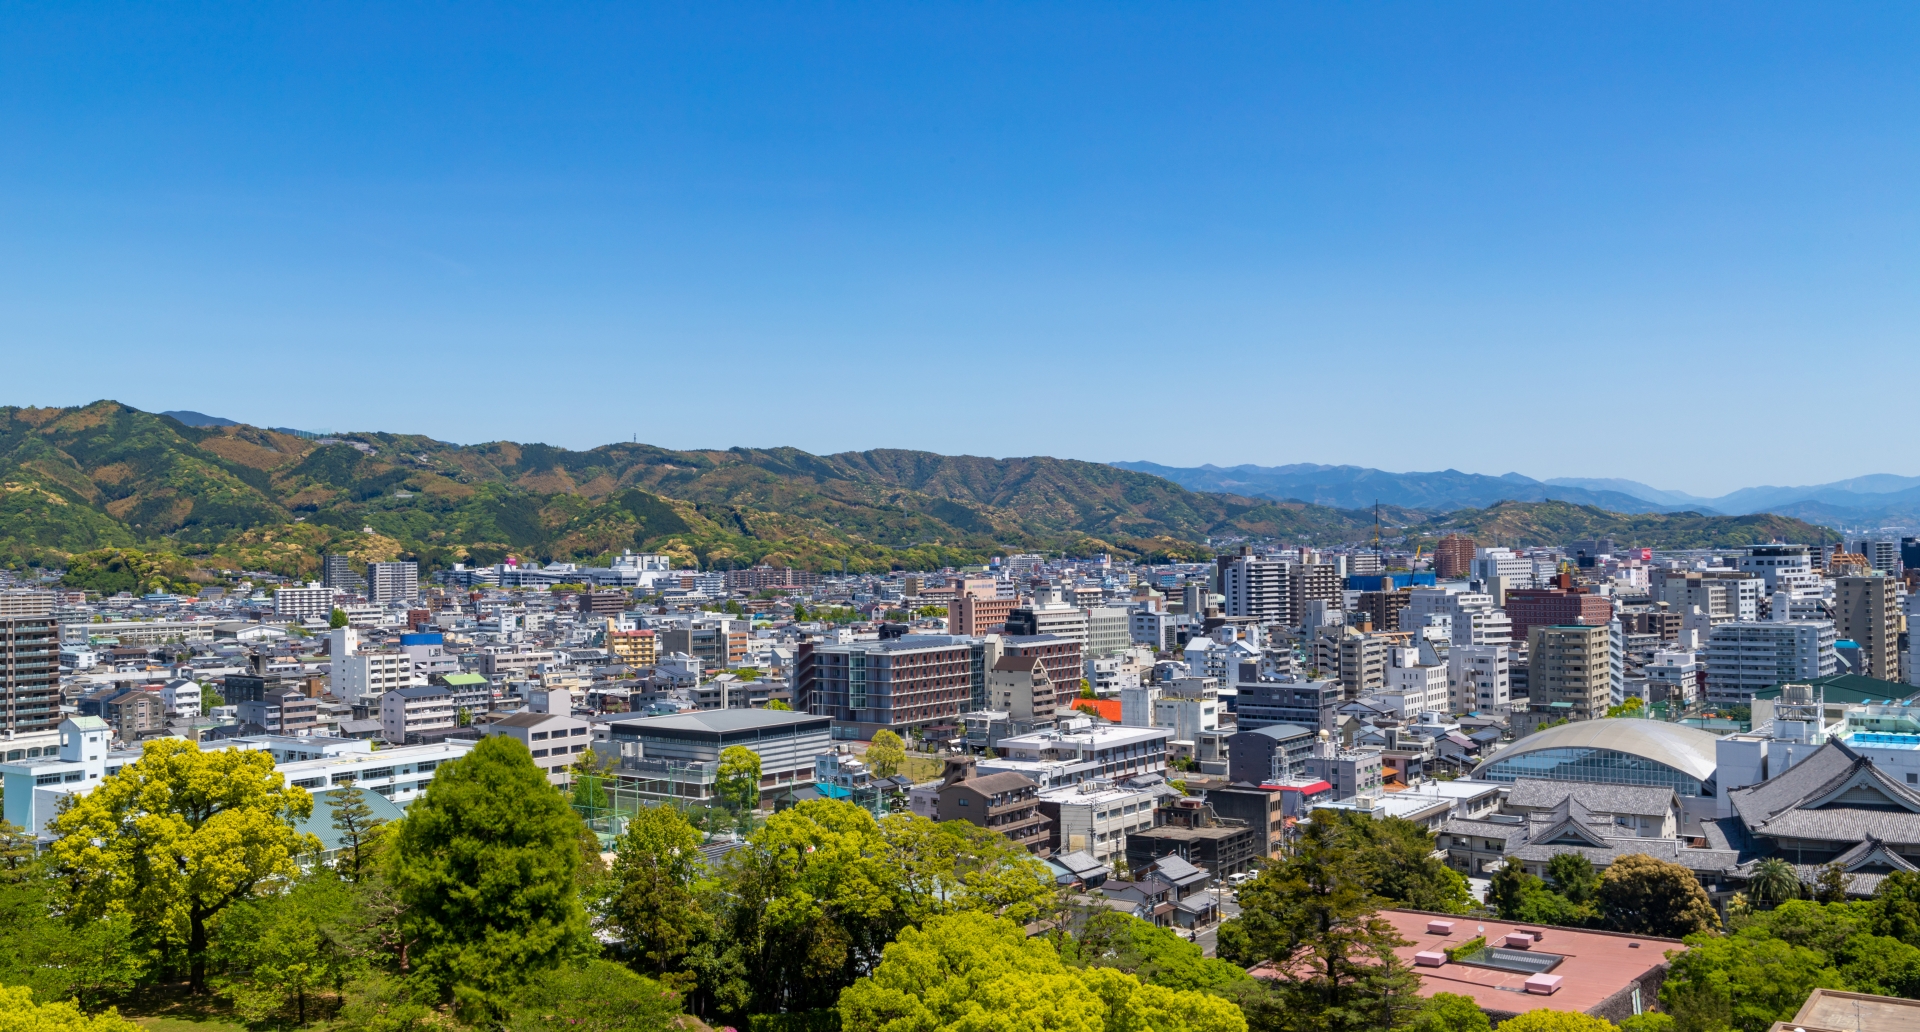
<point x="886" y="753"/>
<point x="738" y="777"/>
<point x="485" y="865"/>
<point x="174" y="839"/>
<point x="653" y="903"/>
<point x="1648" y="896"/>
<point x="360" y="832"/>
<point x="18" y="1013"/>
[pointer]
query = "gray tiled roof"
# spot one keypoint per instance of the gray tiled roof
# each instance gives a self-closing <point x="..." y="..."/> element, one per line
<point x="1635" y="800"/>
<point x="1776" y="807"/>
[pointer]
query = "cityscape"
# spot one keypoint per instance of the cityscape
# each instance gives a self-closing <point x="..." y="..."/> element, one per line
<point x="1058" y="517"/>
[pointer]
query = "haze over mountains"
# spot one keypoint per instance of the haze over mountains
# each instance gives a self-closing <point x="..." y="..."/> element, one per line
<point x="1860" y="503"/>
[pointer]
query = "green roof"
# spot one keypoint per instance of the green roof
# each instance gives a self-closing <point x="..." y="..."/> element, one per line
<point x="320" y="823"/>
<point x="1851" y="688"/>
<point x="456" y="680"/>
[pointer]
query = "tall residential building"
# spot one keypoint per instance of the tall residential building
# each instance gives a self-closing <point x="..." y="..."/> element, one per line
<point x="1881" y="555"/>
<point x="1476" y="619"/>
<point x="1743" y="658"/>
<point x="975" y="615"/>
<point x="303" y="603"/>
<point x="1109" y="631"/>
<point x="1768" y="562"/>
<point x="1479" y="678"/>
<point x="1569" y="670"/>
<point x="1453" y="557"/>
<point x="1528" y="608"/>
<point x="1515" y="570"/>
<point x="388" y="583"/>
<point x="29" y="662"/>
<point x="1312" y="582"/>
<point x="1357" y="660"/>
<point x="1910" y="553"/>
<point x="337" y="572"/>
<point x="917" y="680"/>
<point x="1257" y="586"/>
<point x="1062" y="657"/>
<point x="1864" y="612"/>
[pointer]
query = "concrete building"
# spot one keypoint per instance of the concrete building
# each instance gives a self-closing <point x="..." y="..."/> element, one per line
<point x="1528" y="608"/>
<point x="1768" y="562"/>
<point x="1509" y="568"/>
<point x="1109" y="631"/>
<point x="1612" y="752"/>
<point x="1743" y="658"/>
<point x="1062" y="657"/>
<point x="979" y="614"/>
<point x="392" y="583"/>
<point x="1048" y="615"/>
<point x="1569" y="671"/>
<point x="1081" y="751"/>
<point x="1349" y="772"/>
<point x="1309" y="704"/>
<point x="370" y="673"/>
<point x="29" y="664"/>
<point x="1865" y="611"/>
<point x="677" y="757"/>
<point x="1357" y="660"/>
<point x="1005" y="803"/>
<point x="1417" y="677"/>
<point x="1095" y="817"/>
<point x="282" y="711"/>
<point x="337" y="572"/>
<point x="634" y="648"/>
<point x="1675" y="676"/>
<point x="1019" y="687"/>
<point x="1453" y="557"/>
<point x="311" y="602"/>
<point x="408" y="715"/>
<point x="1479" y="679"/>
<point x="1312" y="582"/>
<point x="181" y="697"/>
<point x="1270" y="753"/>
<point x="554" y="739"/>
<point x="33" y="787"/>
<point x="917" y="680"/>
<point x="1257" y="586"/>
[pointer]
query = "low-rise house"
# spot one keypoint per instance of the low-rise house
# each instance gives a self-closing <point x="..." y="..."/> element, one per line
<point x="1005" y="803"/>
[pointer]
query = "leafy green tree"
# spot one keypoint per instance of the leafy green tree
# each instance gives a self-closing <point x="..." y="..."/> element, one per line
<point x="485" y="866"/>
<point x="1832" y="884"/>
<point x="18" y="1013"/>
<point x="209" y="699"/>
<point x="738" y="783"/>
<point x="886" y="753"/>
<point x="970" y="971"/>
<point x="338" y="618"/>
<point x="1573" y="876"/>
<point x="588" y="774"/>
<point x="1774" y="880"/>
<point x="597" y="996"/>
<point x="361" y="833"/>
<point x="1647" y="896"/>
<point x="776" y="704"/>
<point x="1895" y="910"/>
<point x="177" y="837"/>
<point x="1314" y="915"/>
<point x="1744" y="982"/>
<point x="378" y="1002"/>
<point x="278" y="950"/>
<point x="1155" y="955"/>
<point x="1544" y="1020"/>
<point x="1449" y="1012"/>
<point x="1647" y="1021"/>
<point x="1397" y="863"/>
<point x="654" y="906"/>
<point x="16" y="851"/>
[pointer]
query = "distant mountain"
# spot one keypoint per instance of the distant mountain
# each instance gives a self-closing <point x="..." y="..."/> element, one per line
<point x="200" y="419"/>
<point x="1636" y="489"/>
<point x="1556" y="523"/>
<point x="1356" y="487"/>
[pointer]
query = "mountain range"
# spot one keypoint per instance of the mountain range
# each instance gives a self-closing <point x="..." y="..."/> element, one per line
<point x="1859" y="503"/>
<point x="105" y="480"/>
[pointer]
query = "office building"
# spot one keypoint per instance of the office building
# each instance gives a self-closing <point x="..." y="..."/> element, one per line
<point x="1768" y="562"/>
<point x="677" y="758"/>
<point x="311" y="602"/>
<point x="1309" y="704"/>
<point x="1569" y="671"/>
<point x="1511" y="569"/>
<point x="1108" y="631"/>
<point x="1744" y="658"/>
<point x="1473" y="616"/>
<point x="338" y="573"/>
<point x="974" y="615"/>
<point x="1062" y="658"/>
<point x="555" y="740"/>
<point x="1271" y="752"/>
<point x="718" y="644"/>
<point x="1528" y="608"/>
<point x="1910" y="553"/>
<point x="1257" y="586"/>
<point x="1049" y="615"/>
<point x="393" y="583"/>
<point x="1453" y="557"/>
<point x="1866" y="613"/>
<point x="29" y="663"/>
<point x="918" y="680"/>
<point x="1095" y="818"/>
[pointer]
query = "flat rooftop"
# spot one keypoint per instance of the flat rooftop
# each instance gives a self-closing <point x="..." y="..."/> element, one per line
<point x="1594" y="965"/>
<point x="720" y="721"/>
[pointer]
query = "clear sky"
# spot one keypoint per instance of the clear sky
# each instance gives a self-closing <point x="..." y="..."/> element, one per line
<point x="1672" y="242"/>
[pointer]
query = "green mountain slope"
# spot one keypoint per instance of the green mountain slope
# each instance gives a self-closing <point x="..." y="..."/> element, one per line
<point x="1555" y="523"/>
<point x="240" y="497"/>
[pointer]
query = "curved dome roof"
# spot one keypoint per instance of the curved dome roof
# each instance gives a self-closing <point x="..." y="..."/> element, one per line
<point x="1688" y="750"/>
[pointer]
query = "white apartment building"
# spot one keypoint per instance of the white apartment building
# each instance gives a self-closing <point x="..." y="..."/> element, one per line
<point x="391" y="583"/>
<point x="1096" y="817"/>
<point x="1258" y="586"/>
<point x="1675" y="676"/>
<point x="1744" y="657"/>
<point x="1419" y="682"/>
<point x="1489" y="563"/>
<point x="181" y="697"/>
<point x="303" y="603"/>
<point x="1108" y="632"/>
<point x="1188" y="705"/>
<point x="1475" y="618"/>
<point x="400" y="773"/>
<point x="1768" y="562"/>
<point x="416" y="710"/>
<point x="554" y="739"/>
<point x="1079" y="751"/>
<point x="371" y="673"/>
<point x="1478" y="679"/>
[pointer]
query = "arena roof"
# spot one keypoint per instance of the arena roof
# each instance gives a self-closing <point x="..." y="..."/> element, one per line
<point x="1685" y="749"/>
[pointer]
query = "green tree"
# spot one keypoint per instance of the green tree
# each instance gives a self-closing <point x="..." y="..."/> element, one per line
<point x="1774" y="880"/>
<point x="1647" y="896"/>
<point x="1397" y="862"/>
<point x="886" y="753"/>
<point x="177" y="837"/>
<point x="1832" y="884"/>
<point x="738" y="779"/>
<point x="653" y="905"/>
<point x="597" y="996"/>
<point x="1740" y="981"/>
<point x="1895" y="910"/>
<point x="1155" y="955"/>
<point x="1449" y="1012"/>
<point x="1314" y="915"/>
<point x="1544" y="1020"/>
<point x="361" y="833"/>
<point x="485" y="866"/>
<point x="1086" y="689"/>
<point x="1573" y="876"/>
<point x="277" y="950"/>
<point x="338" y="618"/>
<point x="588" y="774"/>
<point x="970" y="971"/>
<point x="16" y="851"/>
<point x="18" y="1013"/>
<point x="209" y="699"/>
<point x="776" y="704"/>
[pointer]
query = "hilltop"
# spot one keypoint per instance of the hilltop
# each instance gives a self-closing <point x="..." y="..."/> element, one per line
<point x="1556" y="523"/>
<point x="228" y="495"/>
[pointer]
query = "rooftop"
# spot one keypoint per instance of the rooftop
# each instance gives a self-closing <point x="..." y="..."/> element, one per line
<point x="1687" y="750"/>
<point x="1593" y="965"/>
<point x="719" y="721"/>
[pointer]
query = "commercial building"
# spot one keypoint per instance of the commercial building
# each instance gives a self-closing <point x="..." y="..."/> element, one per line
<point x="1569" y="671"/>
<point x="677" y="757"/>
<point x="917" y="680"/>
<point x="1095" y="817"/>
<point x="1350" y="773"/>
<point x="1768" y="562"/>
<point x="1744" y="658"/>
<point x="1109" y="632"/>
<point x="1272" y="752"/>
<point x="1528" y="608"/>
<point x="1309" y="704"/>
<point x="391" y="583"/>
<point x="1502" y="566"/>
<point x="29" y="664"/>
<point x="1050" y="616"/>
<point x="719" y="644"/>
<point x="1865" y="612"/>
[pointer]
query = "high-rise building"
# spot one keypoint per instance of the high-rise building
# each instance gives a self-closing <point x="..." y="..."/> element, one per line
<point x="1049" y="615"/>
<point x="1357" y="660"/>
<point x="337" y="572"/>
<point x="1528" y="608"/>
<point x="1910" y="553"/>
<point x="1770" y="561"/>
<point x="1257" y="586"/>
<point x="1865" y="612"/>
<point x="1062" y="657"/>
<point x="1479" y="678"/>
<point x="393" y="582"/>
<point x="302" y="603"/>
<point x="1109" y="631"/>
<point x="1453" y="557"/>
<point x="1881" y="555"/>
<point x="1569" y="670"/>
<point x="1743" y="658"/>
<point x="912" y="681"/>
<point x="1515" y="570"/>
<point x="29" y="662"/>
<point x="974" y="615"/>
<point x="1312" y="582"/>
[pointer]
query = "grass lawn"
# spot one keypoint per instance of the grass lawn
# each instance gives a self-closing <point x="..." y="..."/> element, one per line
<point x="922" y="768"/>
<point x="179" y="1023"/>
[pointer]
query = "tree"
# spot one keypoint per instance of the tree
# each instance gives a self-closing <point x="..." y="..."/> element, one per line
<point x="1398" y="864"/>
<point x="1573" y="876"/>
<point x="597" y="996"/>
<point x="1646" y="896"/>
<point x="360" y="832"/>
<point x="16" y="851"/>
<point x="886" y="753"/>
<point x="1745" y="982"/>
<point x="1154" y="955"/>
<point x="1774" y="880"/>
<point x="209" y="699"/>
<point x="588" y="773"/>
<point x="18" y="1013"/>
<point x="971" y="971"/>
<point x="1895" y="910"/>
<point x="1449" y="1012"/>
<point x="738" y="783"/>
<point x="1832" y="884"/>
<point x="1086" y="690"/>
<point x="338" y="618"/>
<point x="1544" y="1020"/>
<point x="485" y="865"/>
<point x="776" y="704"/>
<point x="653" y="905"/>
<point x="177" y="837"/>
<point x="277" y="950"/>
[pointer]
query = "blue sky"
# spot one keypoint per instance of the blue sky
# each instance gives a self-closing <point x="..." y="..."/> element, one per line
<point x="1669" y="242"/>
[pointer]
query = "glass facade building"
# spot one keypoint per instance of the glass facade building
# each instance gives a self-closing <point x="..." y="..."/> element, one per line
<point x="1592" y="765"/>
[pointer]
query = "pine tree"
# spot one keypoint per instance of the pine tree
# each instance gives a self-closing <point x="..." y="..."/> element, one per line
<point x="360" y="832"/>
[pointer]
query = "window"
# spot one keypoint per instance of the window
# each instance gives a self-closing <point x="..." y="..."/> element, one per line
<point x="1912" y="778"/>
<point x="539" y="736"/>
<point x="47" y="779"/>
<point x="539" y="752"/>
<point x="963" y="802"/>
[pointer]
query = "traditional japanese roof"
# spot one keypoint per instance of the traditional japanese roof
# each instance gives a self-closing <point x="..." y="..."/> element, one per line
<point x="1635" y="800"/>
<point x="1834" y="795"/>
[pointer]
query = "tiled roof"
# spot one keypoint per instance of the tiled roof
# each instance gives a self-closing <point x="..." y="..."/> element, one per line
<point x="1635" y="800"/>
